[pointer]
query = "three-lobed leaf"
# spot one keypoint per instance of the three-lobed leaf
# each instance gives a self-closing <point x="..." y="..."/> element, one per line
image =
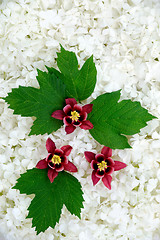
<point x="79" y="83"/>
<point x="40" y="103"/>
<point x="112" y="120"/>
<point x="45" y="208"/>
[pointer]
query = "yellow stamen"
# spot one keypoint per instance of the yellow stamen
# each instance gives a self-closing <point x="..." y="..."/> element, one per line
<point x="75" y="116"/>
<point x="56" y="159"/>
<point x="102" y="166"/>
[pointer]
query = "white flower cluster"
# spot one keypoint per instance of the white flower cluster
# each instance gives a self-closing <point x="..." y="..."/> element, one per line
<point x="124" y="38"/>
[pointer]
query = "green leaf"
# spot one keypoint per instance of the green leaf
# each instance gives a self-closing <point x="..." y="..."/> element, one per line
<point x="40" y="103"/>
<point x="112" y="120"/>
<point x="79" y="83"/>
<point x="45" y="208"/>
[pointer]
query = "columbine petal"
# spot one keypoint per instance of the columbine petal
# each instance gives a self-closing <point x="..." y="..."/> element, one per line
<point x="94" y="165"/>
<point x="95" y="179"/>
<point x="86" y="125"/>
<point x="99" y="174"/>
<point x="70" y="167"/>
<point x="106" y="151"/>
<point x="51" y="165"/>
<point x="67" y="109"/>
<point x="119" y="165"/>
<point x="58" y="114"/>
<point x="58" y="152"/>
<point x="77" y="108"/>
<point x="109" y="170"/>
<point x="49" y="157"/>
<point x="71" y="101"/>
<point x="76" y="124"/>
<point x="64" y="159"/>
<point x="42" y="164"/>
<point x="50" y="145"/>
<point x="107" y="181"/>
<point x="83" y="116"/>
<point x="66" y="149"/>
<point x="69" y="129"/>
<point x="99" y="157"/>
<point x="110" y="162"/>
<point x="52" y="174"/>
<point x="87" y="108"/>
<point x="67" y="121"/>
<point x="59" y="167"/>
<point x="89" y="156"/>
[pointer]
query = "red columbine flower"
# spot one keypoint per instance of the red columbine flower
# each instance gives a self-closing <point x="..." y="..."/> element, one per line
<point x="103" y="166"/>
<point x="56" y="161"/>
<point x="74" y="115"/>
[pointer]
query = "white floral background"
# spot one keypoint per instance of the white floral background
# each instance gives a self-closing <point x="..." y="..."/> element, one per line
<point x="124" y="38"/>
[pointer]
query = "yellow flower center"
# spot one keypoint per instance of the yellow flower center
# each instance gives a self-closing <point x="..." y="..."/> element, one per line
<point x="75" y="116"/>
<point x="56" y="159"/>
<point x="102" y="166"/>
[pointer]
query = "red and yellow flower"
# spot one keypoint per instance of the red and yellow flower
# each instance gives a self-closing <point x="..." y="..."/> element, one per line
<point x="56" y="161"/>
<point x="103" y="166"/>
<point x="73" y="115"/>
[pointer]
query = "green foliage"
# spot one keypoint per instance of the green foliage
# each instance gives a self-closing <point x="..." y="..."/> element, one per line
<point x="112" y="120"/>
<point x="79" y="83"/>
<point x="45" y="208"/>
<point x="40" y="103"/>
<point x="54" y="88"/>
